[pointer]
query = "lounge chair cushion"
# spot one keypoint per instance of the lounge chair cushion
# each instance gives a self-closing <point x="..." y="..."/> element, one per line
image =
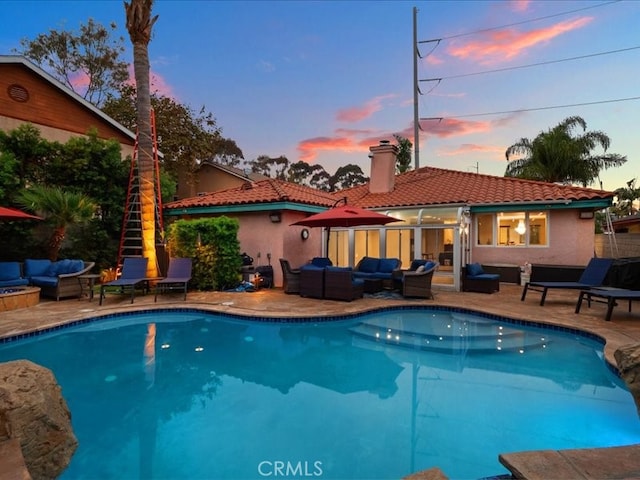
<point x="321" y="262"/>
<point x="331" y="268"/>
<point x="34" y="267"/>
<point x="62" y="267"/>
<point x="44" y="281"/>
<point x="387" y="265"/>
<point x="9" y="271"/>
<point x="487" y="276"/>
<point x="416" y="263"/>
<point x="369" y="265"/>
<point x="474" y="269"/>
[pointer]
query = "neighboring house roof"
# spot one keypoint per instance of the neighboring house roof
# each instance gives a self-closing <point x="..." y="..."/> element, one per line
<point x="20" y="60"/>
<point x="427" y="186"/>
<point x="626" y="221"/>
<point x="438" y="186"/>
<point x="270" y="193"/>
<point x="237" y="172"/>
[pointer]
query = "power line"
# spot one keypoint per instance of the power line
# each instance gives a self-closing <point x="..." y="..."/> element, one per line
<point x="549" y="62"/>
<point x="483" y="30"/>
<point x="534" y="109"/>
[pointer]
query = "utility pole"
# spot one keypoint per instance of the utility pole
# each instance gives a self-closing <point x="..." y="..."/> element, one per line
<point x="416" y="117"/>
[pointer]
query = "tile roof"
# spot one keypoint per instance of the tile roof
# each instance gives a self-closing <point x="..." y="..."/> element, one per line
<point x="438" y="186"/>
<point x="264" y="191"/>
<point x="425" y="186"/>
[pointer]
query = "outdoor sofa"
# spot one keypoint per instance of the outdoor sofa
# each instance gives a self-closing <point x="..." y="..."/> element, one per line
<point x="385" y="269"/>
<point x="11" y="275"/>
<point x="57" y="279"/>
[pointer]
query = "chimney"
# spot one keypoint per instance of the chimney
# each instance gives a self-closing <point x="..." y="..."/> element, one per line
<point x="383" y="167"/>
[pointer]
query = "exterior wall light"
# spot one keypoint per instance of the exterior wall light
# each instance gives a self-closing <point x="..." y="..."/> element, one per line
<point x="275" y="217"/>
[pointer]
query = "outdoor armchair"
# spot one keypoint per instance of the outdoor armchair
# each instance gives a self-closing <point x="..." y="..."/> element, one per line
<point x="290" y="276"/>
<point x="417" y="283"/>
<point x="340" y="284"/>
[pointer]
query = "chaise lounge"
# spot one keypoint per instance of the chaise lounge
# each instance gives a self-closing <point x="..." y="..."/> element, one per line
<point x="593" y="276"/>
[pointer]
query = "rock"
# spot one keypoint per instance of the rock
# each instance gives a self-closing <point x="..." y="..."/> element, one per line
<point x="430" y="474"/>
<point x="628" y="359"/>
<point x="33" y="411"/>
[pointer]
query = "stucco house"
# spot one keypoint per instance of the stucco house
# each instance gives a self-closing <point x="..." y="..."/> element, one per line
<point x="212" y="177"/>
<point x="453" y="217"/>
<point x="28" y="94"/>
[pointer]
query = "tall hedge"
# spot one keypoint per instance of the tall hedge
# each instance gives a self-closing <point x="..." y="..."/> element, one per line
<point x="213" y="245"/>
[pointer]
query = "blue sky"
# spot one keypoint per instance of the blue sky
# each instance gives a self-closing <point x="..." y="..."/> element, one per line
<point x="321" y="81"/>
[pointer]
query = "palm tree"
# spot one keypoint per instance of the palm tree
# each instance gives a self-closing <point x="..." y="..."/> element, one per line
<point x="139" y="25"/>
<point x="560" y="157"/>
<point x="60" y="208"/>
<point x="626" y="199"/>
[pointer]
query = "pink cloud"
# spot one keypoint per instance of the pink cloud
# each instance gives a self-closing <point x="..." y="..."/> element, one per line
<point x="310" y="148"/>
<point x="467" y="148"/>
<point x="159" y="85"/>
<point x="356" y="114"/>
<point x="508" y="43"/>
<point x="450" y="127"/>
<point x="520" y="5"/>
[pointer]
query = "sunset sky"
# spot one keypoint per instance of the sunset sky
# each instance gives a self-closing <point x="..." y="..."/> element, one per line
<point x="321" y="81"/>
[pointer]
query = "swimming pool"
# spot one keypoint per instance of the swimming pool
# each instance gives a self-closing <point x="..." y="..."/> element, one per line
<point x="186" y="394"/>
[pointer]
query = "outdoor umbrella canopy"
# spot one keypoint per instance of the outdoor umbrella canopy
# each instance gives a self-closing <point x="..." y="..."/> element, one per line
<point x="345" y="216"/>
<point x="9" y="214"/>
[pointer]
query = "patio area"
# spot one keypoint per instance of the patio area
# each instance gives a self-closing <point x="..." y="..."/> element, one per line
<point x="623" y="329"/>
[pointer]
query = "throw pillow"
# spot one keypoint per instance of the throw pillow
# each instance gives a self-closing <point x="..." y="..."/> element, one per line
<point x="420" y="269"/>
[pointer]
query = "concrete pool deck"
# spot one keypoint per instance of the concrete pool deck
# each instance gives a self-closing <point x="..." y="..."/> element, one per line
<point x="623" y="329"/>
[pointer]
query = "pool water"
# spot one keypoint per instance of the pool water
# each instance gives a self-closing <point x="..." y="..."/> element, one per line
<point x="192" y="395"/>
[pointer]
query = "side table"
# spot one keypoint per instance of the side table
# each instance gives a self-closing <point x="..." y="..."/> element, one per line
<point x="88" y="280"/>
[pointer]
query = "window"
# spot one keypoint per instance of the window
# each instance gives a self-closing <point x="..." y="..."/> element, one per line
<point x="512" y="229"/>
<point x="485" y="229"/>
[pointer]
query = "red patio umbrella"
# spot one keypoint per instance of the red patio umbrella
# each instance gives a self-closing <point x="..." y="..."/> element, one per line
<point x="9" y="214"/>
<point x="345" y="216"/>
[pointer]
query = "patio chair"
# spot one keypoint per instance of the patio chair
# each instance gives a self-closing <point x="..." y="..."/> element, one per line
<point x="417" y="283"/>
<point x="291" y="277"/>
<point x="340" y="284"/>
<point x="593" y="276"/>
<point x="177" y="278"/>
<point x="134" y="274"/>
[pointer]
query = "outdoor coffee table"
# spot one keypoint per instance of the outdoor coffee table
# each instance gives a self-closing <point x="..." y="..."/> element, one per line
<point x="372" y="285"/>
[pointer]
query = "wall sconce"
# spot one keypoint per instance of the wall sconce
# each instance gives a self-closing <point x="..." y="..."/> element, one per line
<point x="275" y="217"/>
<point x="521" y="229"/>
<point x="586" y="214"/>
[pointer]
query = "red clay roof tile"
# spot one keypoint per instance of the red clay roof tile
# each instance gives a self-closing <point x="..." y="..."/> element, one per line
<point x="425" y="186"/>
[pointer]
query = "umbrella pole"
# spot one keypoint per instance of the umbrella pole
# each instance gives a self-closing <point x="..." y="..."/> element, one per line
<point x="328" y="234"/>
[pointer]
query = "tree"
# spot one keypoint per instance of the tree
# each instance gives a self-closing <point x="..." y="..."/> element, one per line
<point x="60" y="208"/>
<point x="87" y="62"/>
<point x="347" y="176"/>
<point x="403" y="161"/>
<point x="139" y="26"/>
<point x="271" y="167"/>
<point x="304" y="173"/>
<point x="558" y="156"/>
<point x="626" y="198"/>
<point x="184" y="137"/>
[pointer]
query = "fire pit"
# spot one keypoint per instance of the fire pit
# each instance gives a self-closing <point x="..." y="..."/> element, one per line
<point x="12" y="298"/>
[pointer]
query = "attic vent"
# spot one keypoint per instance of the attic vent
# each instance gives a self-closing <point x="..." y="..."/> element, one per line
<point x="18" y="93"/>
<point x="247" y="186"/>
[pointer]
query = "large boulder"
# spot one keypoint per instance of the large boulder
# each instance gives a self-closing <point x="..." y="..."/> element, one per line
<point x="628" y="359"/>
<point x="34" y="412"/>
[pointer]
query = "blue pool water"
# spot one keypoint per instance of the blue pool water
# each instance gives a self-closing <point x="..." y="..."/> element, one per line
<point x="191" y="395"/>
